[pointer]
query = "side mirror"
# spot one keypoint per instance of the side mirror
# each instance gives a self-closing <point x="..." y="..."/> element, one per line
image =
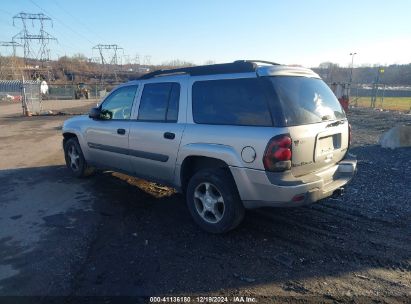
<point x="95" y="113"/>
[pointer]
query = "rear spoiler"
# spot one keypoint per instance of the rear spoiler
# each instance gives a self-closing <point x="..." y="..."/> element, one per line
<point x="283" y="70"/>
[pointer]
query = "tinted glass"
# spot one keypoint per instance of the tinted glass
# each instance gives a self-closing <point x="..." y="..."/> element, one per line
<point x="159" y="102"/>
<point x="172" y="111"/>
<point x="119" y="103"/>
<point x="230" y="101"/>
<point x="306" y="100"/>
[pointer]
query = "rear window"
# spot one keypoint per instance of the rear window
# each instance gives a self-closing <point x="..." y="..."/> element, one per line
<point x="230" y="102"/>
<point x="306" y="100"/>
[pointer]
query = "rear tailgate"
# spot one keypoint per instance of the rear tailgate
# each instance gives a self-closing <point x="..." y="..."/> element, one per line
<point x="317" y="146"/>
<point x="316" y="122"/>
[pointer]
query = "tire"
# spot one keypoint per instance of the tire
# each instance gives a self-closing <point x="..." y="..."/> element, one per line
<point x="75" y="161"/>
<point x="205" y="191"/>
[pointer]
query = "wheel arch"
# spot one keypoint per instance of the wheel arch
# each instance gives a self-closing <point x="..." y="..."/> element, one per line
<point x="70" y="133"/>
<point x="194" y="163"/>
<point x="67" y="135"/>
<point x="196" y="156"/>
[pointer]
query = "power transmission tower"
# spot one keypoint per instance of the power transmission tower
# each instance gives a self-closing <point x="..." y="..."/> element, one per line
<point x="9" y="65"/>
<point x="137" y="59"/>
<point x="13" y="44"/>
<point x="28" y="38"/>
<point x="126" y="59"/>
<point x="109" y="54"/>
<point x="147" y="60"/>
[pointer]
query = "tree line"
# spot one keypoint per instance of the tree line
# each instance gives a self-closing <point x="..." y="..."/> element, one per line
<point x="396" y="74"/>
<point x="79" y="68"/>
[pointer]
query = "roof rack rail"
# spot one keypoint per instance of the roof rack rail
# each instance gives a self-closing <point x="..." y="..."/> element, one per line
<point x="259" y="61"/>
<point x="239" y="66"/>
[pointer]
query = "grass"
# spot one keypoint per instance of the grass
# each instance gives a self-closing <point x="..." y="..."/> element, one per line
<point x="389" y="103"/>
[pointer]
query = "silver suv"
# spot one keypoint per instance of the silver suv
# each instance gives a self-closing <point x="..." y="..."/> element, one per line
<point x="229" y="136"/>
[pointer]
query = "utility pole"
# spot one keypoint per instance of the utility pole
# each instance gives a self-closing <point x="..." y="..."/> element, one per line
<point x="347" y="88"/>
<point x="352" y="65"/>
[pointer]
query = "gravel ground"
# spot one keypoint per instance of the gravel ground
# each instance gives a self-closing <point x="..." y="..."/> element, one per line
<point x="117" y="235"/>
<point x="357" y="245"/>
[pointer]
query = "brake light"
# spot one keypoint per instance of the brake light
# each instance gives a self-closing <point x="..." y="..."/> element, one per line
<point x="277" y="155"/>
<point x="349" y="135"/>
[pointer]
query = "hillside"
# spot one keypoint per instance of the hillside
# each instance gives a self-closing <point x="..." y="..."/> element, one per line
<point x="80" y="69"/>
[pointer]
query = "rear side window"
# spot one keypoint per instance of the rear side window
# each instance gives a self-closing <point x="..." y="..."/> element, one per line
<point x="306" y="100"/>
<point x="230" y="102"/>
<point x="159" y="102"/>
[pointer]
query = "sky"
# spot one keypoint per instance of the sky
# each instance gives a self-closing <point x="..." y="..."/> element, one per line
<point x="288" y="32"/>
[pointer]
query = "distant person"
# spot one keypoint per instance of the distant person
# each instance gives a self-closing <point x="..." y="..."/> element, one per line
<point x="44" y="89"/>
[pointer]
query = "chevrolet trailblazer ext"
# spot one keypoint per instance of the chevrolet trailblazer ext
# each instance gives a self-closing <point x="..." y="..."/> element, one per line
<point x="229" y="136"/>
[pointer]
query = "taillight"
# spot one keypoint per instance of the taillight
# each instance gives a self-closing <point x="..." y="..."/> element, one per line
<point x="277" y="155"/>
<point x="349" y="135"/>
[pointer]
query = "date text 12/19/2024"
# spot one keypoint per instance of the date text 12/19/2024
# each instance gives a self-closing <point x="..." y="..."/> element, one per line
<point x="206" y="299"/>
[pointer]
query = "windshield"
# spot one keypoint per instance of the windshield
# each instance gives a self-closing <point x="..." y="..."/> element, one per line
<point x="306" y="100"/>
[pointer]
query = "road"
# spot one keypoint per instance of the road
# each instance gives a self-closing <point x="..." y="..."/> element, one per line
<point x="112" y="234"/>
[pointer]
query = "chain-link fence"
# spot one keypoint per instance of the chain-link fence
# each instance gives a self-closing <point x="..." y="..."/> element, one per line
<point x="381" y="96"/>
<point x="25" y="92"/>
<point x="364" y="90"/>
<point x="74" y="91"/>
<point x="10" y="90"/>
<point x="38" y="97"/>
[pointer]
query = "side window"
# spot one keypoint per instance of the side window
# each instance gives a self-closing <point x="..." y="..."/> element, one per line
<point x="159" y="102"/>
<point x="118" y="105"/>
<point x="173" y="101"/>
<point x="230" y="102"/>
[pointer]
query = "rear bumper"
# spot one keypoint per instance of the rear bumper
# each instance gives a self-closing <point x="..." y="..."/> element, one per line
<point x="263" y="189"/>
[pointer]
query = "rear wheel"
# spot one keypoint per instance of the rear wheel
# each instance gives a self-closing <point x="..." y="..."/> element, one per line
<point x="75" y="160"/>
<point x="213" y="201"/>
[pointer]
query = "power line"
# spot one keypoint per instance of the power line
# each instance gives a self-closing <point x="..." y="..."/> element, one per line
<point x="78" y="20"/>
<point x="68" y="27"/>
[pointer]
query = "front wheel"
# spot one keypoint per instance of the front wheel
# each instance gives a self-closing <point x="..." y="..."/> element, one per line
<point x="75" y="161"/>
<point x="213" y="200"/>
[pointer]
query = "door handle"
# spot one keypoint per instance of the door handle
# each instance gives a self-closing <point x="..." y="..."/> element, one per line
<point x="121" y="131"/>
<point x="169" y="135"/>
